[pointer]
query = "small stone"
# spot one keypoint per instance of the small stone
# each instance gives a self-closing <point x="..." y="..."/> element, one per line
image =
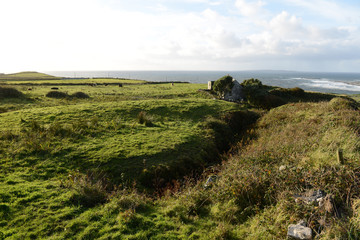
<point x="299" y="231"/>
<point x="312" y="196"/>
<point x="210" y="181"/>
<point x="282" y="168"/>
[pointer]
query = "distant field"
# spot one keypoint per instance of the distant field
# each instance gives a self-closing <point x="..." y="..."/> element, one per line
<point x="26" y="76"/>
<point x="35" y="78"/>
<point x="72" y="81"/>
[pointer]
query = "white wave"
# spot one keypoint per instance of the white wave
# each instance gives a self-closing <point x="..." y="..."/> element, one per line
<point x="325" y="83"/>
<point x="304" y="78"/>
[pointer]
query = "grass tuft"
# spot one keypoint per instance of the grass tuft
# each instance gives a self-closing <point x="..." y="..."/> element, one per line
<point x="144" y="118"/>
<point x="89" y="189"/>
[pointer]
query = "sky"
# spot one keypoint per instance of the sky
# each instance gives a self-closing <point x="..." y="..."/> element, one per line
<point x="84" y="35"/>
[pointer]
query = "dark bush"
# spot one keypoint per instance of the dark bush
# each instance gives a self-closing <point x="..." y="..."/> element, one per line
<point x="10" y="93"/>
<point x="223" y="85"/>
<point x="80" y="95"/>
<point x="254" y="91"/>
<point x="56" y="94"/>
<point x="252" y="83"/>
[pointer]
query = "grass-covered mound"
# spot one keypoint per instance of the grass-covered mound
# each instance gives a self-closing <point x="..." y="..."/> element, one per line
<point x="8" y="92"/>
<point x="56" y="94"/>
<point x="80" y="95"/>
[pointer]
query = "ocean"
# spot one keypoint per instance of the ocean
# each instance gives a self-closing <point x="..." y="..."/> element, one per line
<point x="342" y="83"/>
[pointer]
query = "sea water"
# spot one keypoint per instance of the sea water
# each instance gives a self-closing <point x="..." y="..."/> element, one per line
<point x="343" y="83"/>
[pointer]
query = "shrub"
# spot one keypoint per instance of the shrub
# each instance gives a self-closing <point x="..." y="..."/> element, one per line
<point x="80" y="95"/>
<point x="56" y="94"/>
<point x="256" y="83"/>
<point x="10" y="93"/>
<point x="254" y="91"/>
<point x="223" y="85"/>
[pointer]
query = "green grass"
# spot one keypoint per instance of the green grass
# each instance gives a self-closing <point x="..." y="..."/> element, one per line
<point x="45" y="141"/>
<point x="35" y="97"/>
<point x="57" y="81"/>
<point x="95" y="169"/>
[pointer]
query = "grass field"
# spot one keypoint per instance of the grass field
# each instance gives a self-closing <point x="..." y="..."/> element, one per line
<point x="46" y="140"/>
<point x="69" y="81"/>
<point x="111" y="166"/>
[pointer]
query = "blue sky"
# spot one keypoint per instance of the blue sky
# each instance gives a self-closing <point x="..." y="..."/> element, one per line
<point x="305" y="35"/>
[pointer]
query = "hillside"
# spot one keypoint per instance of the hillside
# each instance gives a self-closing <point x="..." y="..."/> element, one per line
<point x="112" y="166"/>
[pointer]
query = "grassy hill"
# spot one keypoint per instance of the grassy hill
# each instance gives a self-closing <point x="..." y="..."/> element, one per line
<point x="111" y="166"/>
<point x="26" y="76"/>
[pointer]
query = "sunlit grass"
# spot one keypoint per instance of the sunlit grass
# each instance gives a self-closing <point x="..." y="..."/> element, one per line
<point x="93" y="169"/>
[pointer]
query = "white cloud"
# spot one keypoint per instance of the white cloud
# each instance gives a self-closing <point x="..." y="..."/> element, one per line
<point x="91" y="35"/>
<point x="288" y="26"/>
<point x="333" y="10"/>
<point x="249" y="8"/>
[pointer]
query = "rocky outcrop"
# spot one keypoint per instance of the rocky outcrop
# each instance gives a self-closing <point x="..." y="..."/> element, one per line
<point x="236" y="94"/>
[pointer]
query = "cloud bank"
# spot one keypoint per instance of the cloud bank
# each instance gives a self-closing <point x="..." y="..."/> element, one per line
<point x="179" y="35"/>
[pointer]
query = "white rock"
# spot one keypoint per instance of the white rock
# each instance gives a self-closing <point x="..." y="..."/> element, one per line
<point x="282" y="168"/>
<point x="299" y="231"/>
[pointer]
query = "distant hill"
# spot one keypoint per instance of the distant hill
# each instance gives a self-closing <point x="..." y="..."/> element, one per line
<point x="27" y="76"/>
